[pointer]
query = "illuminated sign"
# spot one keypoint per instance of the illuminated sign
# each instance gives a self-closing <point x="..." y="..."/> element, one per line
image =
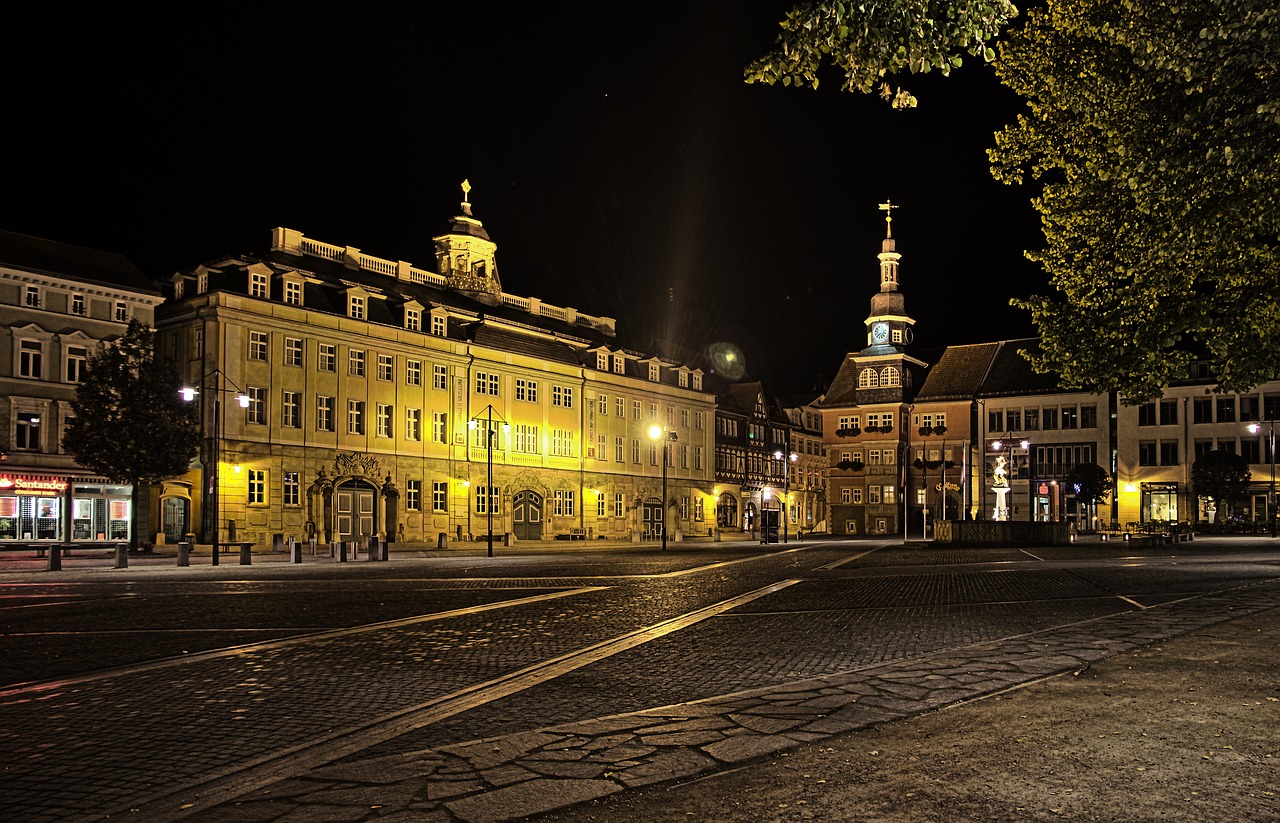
<point x="27" y="485"/>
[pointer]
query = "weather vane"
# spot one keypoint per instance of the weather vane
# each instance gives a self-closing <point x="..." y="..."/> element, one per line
<point x="466" y="191"/>
<point x="887" y="207"/>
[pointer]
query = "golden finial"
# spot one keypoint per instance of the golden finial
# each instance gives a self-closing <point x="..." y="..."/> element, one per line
<point x="466" y="190"/>
<point x="887" y="207"/>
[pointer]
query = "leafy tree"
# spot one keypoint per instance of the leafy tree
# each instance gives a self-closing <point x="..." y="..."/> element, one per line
<point x="870" y="40"/>
<point x="1091" y="482"/>
<point x="1221" y="476"/>
<point x="130" y="423"/>
<point x="1151" y="130"/>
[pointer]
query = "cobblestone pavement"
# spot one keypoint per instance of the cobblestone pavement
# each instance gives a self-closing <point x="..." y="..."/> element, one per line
<point x="474" y="689"/>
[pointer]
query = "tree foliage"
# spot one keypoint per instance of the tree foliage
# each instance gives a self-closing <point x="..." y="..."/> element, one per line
<point x="1220" y="475"/>
<point x="1091" y="482"/>
<point x="1151" y="131"/>
<point x="869" y="40"/>
<point x="130" y="423"/>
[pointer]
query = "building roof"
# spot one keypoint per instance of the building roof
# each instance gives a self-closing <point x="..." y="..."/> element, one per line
<point x="40" y="256"/>
<point x="959" y="372"/>
<point x="1011" y="373"/>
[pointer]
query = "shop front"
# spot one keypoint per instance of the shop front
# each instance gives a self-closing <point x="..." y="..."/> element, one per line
<point x="46" y="508"/>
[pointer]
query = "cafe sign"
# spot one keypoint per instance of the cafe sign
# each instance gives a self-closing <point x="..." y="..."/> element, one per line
<point x="30" y="485"/>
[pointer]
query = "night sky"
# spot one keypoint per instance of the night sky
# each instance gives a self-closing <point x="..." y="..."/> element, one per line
<point x="615" y="154"/>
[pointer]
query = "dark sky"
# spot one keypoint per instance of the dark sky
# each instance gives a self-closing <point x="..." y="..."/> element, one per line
<point x="617" y="158"/>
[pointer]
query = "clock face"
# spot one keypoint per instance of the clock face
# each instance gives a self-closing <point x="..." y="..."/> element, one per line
<point x="879" y="332"/>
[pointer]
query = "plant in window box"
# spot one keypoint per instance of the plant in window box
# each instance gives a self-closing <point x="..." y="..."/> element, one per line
<point x="872" y="428"/>
<point x="851" y="465"/>
<point x="851" y="431"/>
<point x="885" y="429"/>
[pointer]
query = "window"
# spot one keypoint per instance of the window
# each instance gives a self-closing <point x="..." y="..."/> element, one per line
<point x="527" y="390"/>
<point x="258" y="285"/>
<point x="873" y="494"/>
<point x="355" y="363"/>
<point x="857" y="496"/>
<point x="697" y="382"/>
<point x="600" y="505"/>
<point x="77" y="305"/>
<point x="563" y="505"/>
<point x="869" y="379"/>
<point x="31" y="359"/>
<point x="291" y="489"/>
<point x="1248" y="409"/>
<point x="1168" y="452"/>
<point x="1031" y="420"/>
<point x="324" y="413"/>
<point x="1226" y="410"/>
<point x="1088" y="417"/>
<point x="1203" y="447"/>
<point x="327" y="357"/>
<point x="77" y="361"/>
<point x="890" y="376"/>
<point x="293" y="293"/>
<point x="413" y="319"/>
<point x="697" y="457"/>
<point x="1070" y="417"/>
<point x="486" y="499"/>
<point x="525" y="438"/>
<point x="355" y="417"/>
<point x="439" y="377"/>
<point x="355" y="306"/>
<point x="635" y="409"/>
<point x="1251" y="450"/>
<point x="293" y="351"/>
<point x="413" y="495"/>
<point x="618" y="364"/>
<point x="439" y="427"/>
<point x="256" y="411"/>
<point x="602" y="360"/>
<point x="995" y="421"/>
<point x="635" y="451"/>
<point x="889" y="494"/>
<point x="562" y="442"/>
<point x="257" y="487"/>
<point x="384" y="420"/>
<point x="257" y="345"/>
<point x="1050" y="419"/>
<point x="290" y="409"/>
<point x="439" y="496"/>
<point x="386" y="367"/>
<point x="562" y="396"/>
<point x="413" y="372"/>
<point x="26" y="435"/>
<point x="602" y="404"/>
<point x="655" y="373"/>
<point x="438" y="325"/>
<point x="697" y="420"/>
<point x="618" y="450"/>
<point x="1168" y="413"/>
<point x="619" y="505"/>
<point x="413" y="424"/>
<point x="1013" y="419"/>
<point x="486" y="383"/>
<point x="1202" y="410"/>
<point x="121" y="312"/>
<point x="620" y="407"/>
<point x="1147" y="453"/>
<point x="684" y="379"/>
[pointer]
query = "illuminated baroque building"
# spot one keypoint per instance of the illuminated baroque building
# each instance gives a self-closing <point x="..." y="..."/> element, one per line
<point x="373" y="386"/>
<point x="58" y="304"/>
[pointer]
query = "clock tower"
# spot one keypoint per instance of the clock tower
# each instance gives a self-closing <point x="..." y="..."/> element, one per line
<point x="888" y="326"/>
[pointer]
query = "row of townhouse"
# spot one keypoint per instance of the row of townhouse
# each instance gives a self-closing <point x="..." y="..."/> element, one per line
<point x="975" y="433"/>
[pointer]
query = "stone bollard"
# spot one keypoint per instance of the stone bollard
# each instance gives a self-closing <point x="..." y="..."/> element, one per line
<point x="383" y="551"/>
<point x="122" y="555"/>
<point x="341" y="546"/>
<point x="55" y="558"/>
<point x="184" y="554"/>
<point x="295" y="551"/>
<point x="442" y="542"/>
<point x="373" y="548"/>
<point x="246" y="554"/>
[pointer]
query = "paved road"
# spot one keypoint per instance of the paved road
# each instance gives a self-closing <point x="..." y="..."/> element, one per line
<point x="454" y="686"/>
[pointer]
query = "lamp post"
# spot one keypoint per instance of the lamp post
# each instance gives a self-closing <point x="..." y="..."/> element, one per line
<point x="214" y="452"/>
<point x="1271" y="491"/>
<point x="667" y="436"/>
<point x="489" y="497"/>
<point x="786" y="487"/>
<point x="1025" y="445"/>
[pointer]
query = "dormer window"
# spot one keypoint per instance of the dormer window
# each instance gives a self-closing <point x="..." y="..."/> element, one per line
<point x="202" y="282"/>
<point x="868" y="379"/>
<point x="618" y="364"/>
<point x="697" y="382"/>
<point x="684" y="379"/>
<point x="602" y="360"/>
<point x="258" y="285"/>
<point x="412" y="319"/>
<point x="439" y="325"/>
<point x="356" y="305"/>
<point x="293" y="292"/>
<point x="655" y="373"/>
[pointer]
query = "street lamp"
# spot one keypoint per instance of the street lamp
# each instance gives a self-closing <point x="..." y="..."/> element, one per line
<point x="786" y="488"/>
<point x="490" y="499"/>
<point x="667" y="437"/>
<point x="1025" y="445"/>
<point x="1271" y="493"/>
<point x="214" y="448"/>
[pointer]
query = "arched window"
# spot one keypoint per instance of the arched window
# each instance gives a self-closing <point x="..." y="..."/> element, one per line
<point x="890" y="376"/>
<point x="869" y="379"/>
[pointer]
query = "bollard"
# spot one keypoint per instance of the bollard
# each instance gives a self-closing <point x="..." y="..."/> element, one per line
<point x="312" y="541"/>
<point x="383" y="553"/>
<point x="184" y="554"/>
<point x="122" y="555"/>
<point x="441" y="541"/>
<point x="342" y="551"/>
<point x="373" y="548"/>
<point x="55" y="558"/>
<point x="295" y="551"/>
<point x="246" y="554"/>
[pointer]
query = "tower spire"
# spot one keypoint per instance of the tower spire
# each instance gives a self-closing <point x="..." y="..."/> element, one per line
<point x="887" y="207"/>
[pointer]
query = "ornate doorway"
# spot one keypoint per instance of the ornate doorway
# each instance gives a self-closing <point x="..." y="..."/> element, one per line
<point x="354" y="513"/>
<point x="652" y="519"/>
<point x="526" y="515"/>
